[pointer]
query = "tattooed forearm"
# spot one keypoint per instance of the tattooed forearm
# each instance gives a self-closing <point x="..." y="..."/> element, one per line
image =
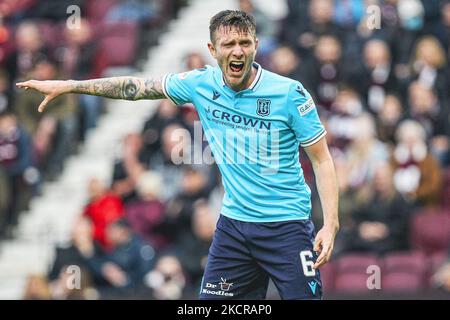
<point x="128" y="88"/>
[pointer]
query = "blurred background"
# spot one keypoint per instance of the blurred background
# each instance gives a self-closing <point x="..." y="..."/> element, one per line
<point x="92" y="206"/>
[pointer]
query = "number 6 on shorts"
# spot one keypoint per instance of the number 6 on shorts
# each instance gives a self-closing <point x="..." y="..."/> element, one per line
<point x="307" y="265"/>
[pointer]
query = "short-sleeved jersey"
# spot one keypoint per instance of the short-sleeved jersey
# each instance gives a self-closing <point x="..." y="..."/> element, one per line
<point x="254" y="136"/>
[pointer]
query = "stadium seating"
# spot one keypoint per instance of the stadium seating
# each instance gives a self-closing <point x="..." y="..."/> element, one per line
<point x="117" y="47"/>
<point x="446" y="192"/>
<point x="351" y="272"/>
<point x="404" y="271"/>
<point x="327" y="273"/>
<point x="430" y="231"/>
<point x="97" y="10"/>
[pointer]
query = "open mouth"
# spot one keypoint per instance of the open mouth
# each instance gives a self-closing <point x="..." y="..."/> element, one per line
<point x="236" y="66"/>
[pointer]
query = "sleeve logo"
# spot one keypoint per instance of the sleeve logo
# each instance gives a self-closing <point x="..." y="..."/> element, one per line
<point x="306" y="107"/>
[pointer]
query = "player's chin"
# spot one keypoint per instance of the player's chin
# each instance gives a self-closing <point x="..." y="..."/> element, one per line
<point x="235" y="77"/>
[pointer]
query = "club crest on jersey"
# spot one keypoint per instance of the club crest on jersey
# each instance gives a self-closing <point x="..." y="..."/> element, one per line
<point x="263" y="107"/>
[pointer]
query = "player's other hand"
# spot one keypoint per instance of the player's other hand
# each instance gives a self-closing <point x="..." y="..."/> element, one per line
<point x="49" y="88"/>
<point x="324" y="244"/>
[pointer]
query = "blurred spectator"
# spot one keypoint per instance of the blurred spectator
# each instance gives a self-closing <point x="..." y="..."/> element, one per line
<point x="376" y="76"/>
<point x="61" y="113"/>
<point x="30" y="47"/>
<point x="5" y="96"/>
<point x="411" y="19"/>
<point x="104" y="207"/>
<point x="133" y="11"/>
<point x="5" y="196"/>
<point x="324" y="72"/>
<point x="348" y="13"/>
<point x="342" y="122"/>
<point x="417" y="174"/>
<point x="441" y="278"/>
<point x="194" y="186"/>
<point x="71" y="276"/>
<point x="52" y="10"/>
<point x="428" y="66"/>
<point x="37" y="288"/>
<point x="165" y="114"/>
<point x="388" y="118"/>
<point x="381" y="225"/>
<point x="167" y="279"/>
<point x="77" y="58"/>
<point x="65" y="287"/>
<point x="442" y="30"/>
<point x="129" y="168"/>
<point x="76" y="254"/>
<point x="13" y="8"/>
<point x="16" y="160"/>
<point x="286" y="62"/>
<point x="146" y="214"/>
<point x="193" y="246"/>
<point x="305" y="35"/>
<point x="364" y="152"/>
<point x="266" y="28"/>
<point x="426" y="109"/>
<point x="126" y="265"/>
<point x="194" y="60"/>
<point x="175" y="144"/>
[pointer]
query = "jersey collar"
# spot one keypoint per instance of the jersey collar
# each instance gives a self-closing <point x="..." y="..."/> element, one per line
<point x="255" y="81"/>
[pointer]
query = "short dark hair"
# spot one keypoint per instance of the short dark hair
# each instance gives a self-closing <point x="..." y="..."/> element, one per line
<point x="232" y="18"/>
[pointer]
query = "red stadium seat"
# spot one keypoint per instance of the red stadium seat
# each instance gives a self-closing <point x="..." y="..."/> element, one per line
<point x="327" y="273"/>
<point x="98" y="9"/>
<point x="351" y="283"/>
<point x="430" y="231"/>
<point x="118" y="45"/>
<point x="51" y="33"/>
<point x="405" y="261"/>
<point x="116" y="29"/>
<point x="356" y="262"/>
<point x="402" y="281"/>
<point x="351" y="272"/>
<point x="446" y="191"/>
<point x="404" y="271"/>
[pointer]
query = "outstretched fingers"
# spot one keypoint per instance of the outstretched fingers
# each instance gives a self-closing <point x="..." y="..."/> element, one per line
<point x="44" y="103"/>
<point x="25" y="84"/>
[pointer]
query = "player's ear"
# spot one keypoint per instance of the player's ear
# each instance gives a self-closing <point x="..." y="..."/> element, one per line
<point x="212" y="50"/>
<point x="256" y="43"/>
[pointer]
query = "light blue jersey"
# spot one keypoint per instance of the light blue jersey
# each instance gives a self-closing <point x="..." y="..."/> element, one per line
<point x="254" y="136"/>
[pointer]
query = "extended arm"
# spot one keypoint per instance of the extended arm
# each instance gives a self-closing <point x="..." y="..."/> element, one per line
<point x="327" y="186"/>
<point x="127" y="88"/>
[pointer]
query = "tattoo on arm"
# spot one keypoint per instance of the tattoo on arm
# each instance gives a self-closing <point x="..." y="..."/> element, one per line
<point x="127" y="88"/>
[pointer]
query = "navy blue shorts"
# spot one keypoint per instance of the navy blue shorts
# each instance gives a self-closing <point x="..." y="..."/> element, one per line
<point x="244" y="255"/>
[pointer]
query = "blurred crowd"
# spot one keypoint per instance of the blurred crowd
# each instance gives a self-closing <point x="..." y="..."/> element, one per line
<point x="64" y="39"/>
<point x="380" y="84"/>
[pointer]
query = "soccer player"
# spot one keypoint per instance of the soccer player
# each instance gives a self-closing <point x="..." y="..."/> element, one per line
<point x="254" y="121"/>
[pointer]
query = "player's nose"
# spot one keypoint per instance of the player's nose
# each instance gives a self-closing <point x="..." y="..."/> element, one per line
<point x="238" y="52"/>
